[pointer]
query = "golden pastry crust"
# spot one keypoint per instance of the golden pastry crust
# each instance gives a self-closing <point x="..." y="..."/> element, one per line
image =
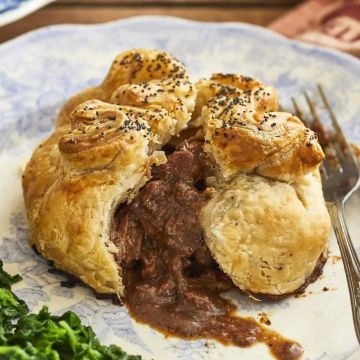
<point x="267" y="223"/>
<point x="75" y="181"/>
<point x="175" y="97"/>
<point x="244" y="132"/>
<point x="274" y="144"/>
<point x="265" y="234"/>
<point x="98" y="158"/>
<point x="232" y="86"/>
<point x="149" y="69"/>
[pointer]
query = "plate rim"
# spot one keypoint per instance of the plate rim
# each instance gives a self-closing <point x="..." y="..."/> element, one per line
<point x="263" y="31"/>
<point x="138" y="19"/>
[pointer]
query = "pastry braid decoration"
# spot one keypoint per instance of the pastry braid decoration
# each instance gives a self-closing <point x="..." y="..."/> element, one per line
<point x="101" y="153"/>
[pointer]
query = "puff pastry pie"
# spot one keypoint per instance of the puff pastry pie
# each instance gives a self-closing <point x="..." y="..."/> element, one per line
<point x="169" y="229"/>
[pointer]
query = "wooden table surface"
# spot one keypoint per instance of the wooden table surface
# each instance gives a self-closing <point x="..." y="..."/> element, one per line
<point x="260" y="12"/>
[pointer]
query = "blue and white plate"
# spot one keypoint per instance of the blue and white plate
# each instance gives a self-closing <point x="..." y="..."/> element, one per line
<point x="40" y="70"/>
<point x="12" y="10"/>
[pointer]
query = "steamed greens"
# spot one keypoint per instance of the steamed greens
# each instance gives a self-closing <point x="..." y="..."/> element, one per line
<point x="6" y="280"/>
<point x="42" y="336"/>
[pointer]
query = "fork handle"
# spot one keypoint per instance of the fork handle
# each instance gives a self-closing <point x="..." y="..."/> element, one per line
<point x="350" y="260"/>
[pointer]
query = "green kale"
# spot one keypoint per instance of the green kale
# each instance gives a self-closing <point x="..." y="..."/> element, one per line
<point x="6" y="280"/>
<point x="11" y="307"/>
<point x="44" y="336"/>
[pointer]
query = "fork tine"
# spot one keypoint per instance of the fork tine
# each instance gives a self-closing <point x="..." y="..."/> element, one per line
<point x="340" y="157"/>
<point x="334" y="121"/>
<point x="323" y="171"/>
<point x="314" y="114"/>
<point x="334" y="161"/>
<point x="300" y="115"/>
<point x="317" y="125"/>
<point x="298" y="112"/>
<point x="339" y="138"/>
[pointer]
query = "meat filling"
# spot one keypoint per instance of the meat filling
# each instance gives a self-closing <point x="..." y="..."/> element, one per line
<point x="171" y="280"/>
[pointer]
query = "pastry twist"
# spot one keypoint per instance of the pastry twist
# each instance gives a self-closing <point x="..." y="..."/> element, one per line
<point x="99" y="156"/>
<point x="142" y="78"/>
<point x="244" y="132"/>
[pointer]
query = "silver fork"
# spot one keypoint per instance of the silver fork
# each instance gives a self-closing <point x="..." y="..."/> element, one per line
<point x="340" y="178"/>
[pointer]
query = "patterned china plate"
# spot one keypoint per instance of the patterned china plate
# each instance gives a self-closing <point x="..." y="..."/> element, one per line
<point x="40" y="70"/>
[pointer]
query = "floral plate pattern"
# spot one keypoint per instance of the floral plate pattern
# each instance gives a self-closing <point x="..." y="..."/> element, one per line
<point x="40" y="70"/>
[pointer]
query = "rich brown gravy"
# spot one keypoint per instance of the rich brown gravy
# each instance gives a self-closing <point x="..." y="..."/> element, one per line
<point x="171" y="281"/>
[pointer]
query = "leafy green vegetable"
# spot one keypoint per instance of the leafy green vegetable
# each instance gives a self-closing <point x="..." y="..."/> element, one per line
<point x="44" y="336"/>
<point x="6" y="280"/>
<point x="11" y="306"/>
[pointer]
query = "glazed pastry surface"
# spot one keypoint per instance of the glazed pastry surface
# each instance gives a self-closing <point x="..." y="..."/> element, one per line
<point x="105" y="143"/>
<point x="263" y="219"/>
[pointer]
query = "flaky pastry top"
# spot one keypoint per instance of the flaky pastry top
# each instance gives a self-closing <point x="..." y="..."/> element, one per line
<point x="245" y="132"/>
<point x="105" y="143"/>
<point x="108" y="137"/>
<point x="144" y="79"/>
